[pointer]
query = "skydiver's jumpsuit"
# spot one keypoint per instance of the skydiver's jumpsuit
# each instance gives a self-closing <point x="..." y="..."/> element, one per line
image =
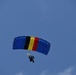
<point x="31" y="58"/>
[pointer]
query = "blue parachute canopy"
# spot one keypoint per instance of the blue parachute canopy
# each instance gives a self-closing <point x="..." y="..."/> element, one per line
<point x="31" y="43"/>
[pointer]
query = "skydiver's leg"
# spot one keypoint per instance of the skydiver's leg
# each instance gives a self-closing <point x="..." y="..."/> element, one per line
<point x="33" y="61"/>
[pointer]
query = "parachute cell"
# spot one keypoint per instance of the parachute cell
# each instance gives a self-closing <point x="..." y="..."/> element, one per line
<point x="31" y="43"/>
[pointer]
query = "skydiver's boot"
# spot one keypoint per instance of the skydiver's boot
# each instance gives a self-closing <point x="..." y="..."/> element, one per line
<point x="33" y="61"/>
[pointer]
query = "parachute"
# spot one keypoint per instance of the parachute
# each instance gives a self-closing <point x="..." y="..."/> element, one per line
<point x="31" y="43"/>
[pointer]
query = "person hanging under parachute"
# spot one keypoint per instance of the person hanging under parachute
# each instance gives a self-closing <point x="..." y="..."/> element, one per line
<point x="31" y="43"/>
<point x="31" y="57"/>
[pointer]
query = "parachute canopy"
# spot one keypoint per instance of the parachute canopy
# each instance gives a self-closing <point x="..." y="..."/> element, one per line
<point x="31" y="43"/>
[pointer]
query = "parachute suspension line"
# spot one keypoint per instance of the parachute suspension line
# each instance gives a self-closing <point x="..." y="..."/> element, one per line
<point x="28" y="52"/>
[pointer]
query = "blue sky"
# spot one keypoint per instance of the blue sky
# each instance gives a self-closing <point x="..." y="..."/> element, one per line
<point x="53" y="20"/>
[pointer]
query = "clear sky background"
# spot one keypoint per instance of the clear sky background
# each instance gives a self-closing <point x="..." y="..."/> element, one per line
<point x="52" y="20"/>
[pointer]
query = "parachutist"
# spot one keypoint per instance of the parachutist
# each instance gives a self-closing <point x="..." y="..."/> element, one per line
<point x="31" y="58"/>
